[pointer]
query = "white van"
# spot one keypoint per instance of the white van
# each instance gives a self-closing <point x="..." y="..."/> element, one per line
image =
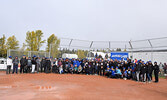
<point x="70" y="56"/>
<point x="3" y="63"/>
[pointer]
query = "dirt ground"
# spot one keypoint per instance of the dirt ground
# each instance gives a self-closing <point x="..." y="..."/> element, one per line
<point x="77" y="87"/>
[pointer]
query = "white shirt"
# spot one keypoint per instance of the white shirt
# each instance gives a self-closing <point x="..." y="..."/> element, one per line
<point x="9" y="62"/>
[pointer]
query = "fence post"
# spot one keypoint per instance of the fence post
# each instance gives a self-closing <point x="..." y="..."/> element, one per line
<point x="30" y="53"/>
<point x="131" y="48"/>
<point x="70" y="43"/>
<point x="50" y="50"/>
<point x="151" y="50"/>
<point x="9" y="52"/>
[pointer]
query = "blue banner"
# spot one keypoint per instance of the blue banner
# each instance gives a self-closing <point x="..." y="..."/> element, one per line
<point x="119" y="55"/>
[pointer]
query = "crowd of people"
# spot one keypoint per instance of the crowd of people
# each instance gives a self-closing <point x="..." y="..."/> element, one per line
<point x="137" y="70"/>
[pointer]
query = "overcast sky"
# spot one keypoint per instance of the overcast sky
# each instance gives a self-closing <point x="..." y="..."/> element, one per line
<point x="85" y="19"/>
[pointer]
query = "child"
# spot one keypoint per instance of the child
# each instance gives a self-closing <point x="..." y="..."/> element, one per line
<point x="125" y="74"/>
<point x="61" y="69"/>
<point x="108" y="71"/>
<point x="75" y="69"/>
<point x="112" y="72"/>
<point x="118" y="73"/>
<point x="129" y="73"/>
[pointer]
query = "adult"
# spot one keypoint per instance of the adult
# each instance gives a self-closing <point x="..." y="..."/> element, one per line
<point x="137" y="69"/>
<point x="38" y="64"/>
<point x="33" y="64"/>
<point x="23" y="63"/>
<point x="9" y="64"/>
<point x="43" y="64"/>
<point x="29" y="64"/>
<point x="165" y="68"/>
<point x="15" y="65"/>
<point x="156" y="71"/>
<point x="161" y="67"/>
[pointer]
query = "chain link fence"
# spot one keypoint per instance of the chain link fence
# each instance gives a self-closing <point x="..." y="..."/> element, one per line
<point x="149" y="49"/>
<point x="20" y="53"/>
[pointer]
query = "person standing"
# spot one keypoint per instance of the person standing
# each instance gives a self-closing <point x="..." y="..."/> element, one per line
<point x="148" y="78"/>
<point x="105" y="63"/>
<point x="54" y="66"/>
<point x="9" y="64"/>
<point x="161" y="67"/>
<point x="165" y="68"/>
<point x="48" y="65"/>
<point x="33" y="64"/>
<point x="99" y="68"/>
<point x="43" y="64"/>
<point x="26" y="66"/>
<point x="38" y="64"/>
<point x="23" y="63"/>
<point x="143" y="72"/>
<point x="102" y="68"/>
<point x="137" y="69"/>
<point x="93" y="67"/>
<point x="156" y="72"/>
<point x="29" y="65"/>
<point x="150" y="70"/>
<point x="15" y="64"/>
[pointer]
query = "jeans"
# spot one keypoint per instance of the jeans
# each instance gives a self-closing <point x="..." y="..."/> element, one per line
<point x="8" y="69"/>
<point x="137" y="75"/>
<point x="143" y="76"/>
<point x="148" y="76"/>
<point x="15" y="67"/>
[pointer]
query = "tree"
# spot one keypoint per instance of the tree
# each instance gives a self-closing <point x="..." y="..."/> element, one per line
<point x="81" y="54"/>
<point x="34" y="40"/>
<point x="23" y="47"/>
<point x="54" y="42"/>
<point x="12" y="43"/>
<point x="3" y="50"/>
<point x="118" y="49"/>
<point x="39" y="41"/>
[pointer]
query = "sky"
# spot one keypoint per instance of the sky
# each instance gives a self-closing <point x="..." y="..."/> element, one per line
<point x="99" y="20"/>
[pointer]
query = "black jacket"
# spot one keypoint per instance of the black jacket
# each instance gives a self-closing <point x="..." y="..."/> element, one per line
<point x="156" y="68"/>
<point x="48" y="63"/>
<point x="138" y="67"/>
<point x="143" y="69"/>
<point x="33" y="62"/>
<point x="43" y="62"/>
<point x="150" y="68"/>
<point x="23" y="61"/>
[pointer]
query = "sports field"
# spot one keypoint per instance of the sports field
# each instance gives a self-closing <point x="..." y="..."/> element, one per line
<point x="77" y="87"/>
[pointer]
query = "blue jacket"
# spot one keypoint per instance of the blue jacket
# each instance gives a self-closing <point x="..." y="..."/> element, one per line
<point x="74" y="62"/>
<point x="78" y="63"/>
<point x="118" y="71"/>
<point x="112" y="73"/>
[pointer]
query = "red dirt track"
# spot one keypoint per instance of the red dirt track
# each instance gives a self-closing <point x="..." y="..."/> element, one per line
<point x="77" y="87"/>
